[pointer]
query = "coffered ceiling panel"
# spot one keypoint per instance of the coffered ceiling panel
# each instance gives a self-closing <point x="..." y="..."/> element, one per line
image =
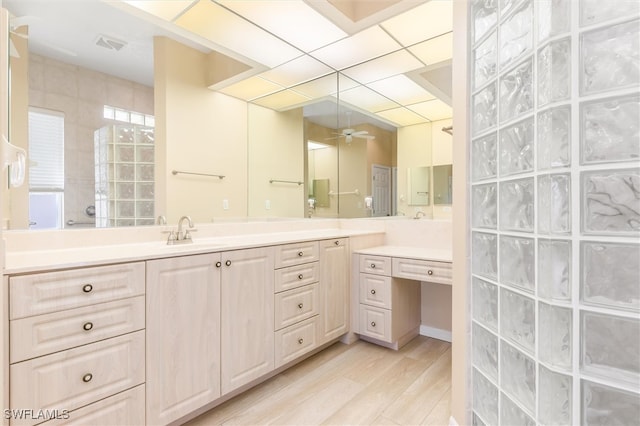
<point x="366" y="99"/>
<point x="402" y="116"/>
<point x="435" y="50"/>
<point x="251" y="88"/>
<point x="401" y="89"/>
<point x="386" y="66"/>
<point x="433" y="110"/>
<point x="297" y="71"/>
<point x="421" y="23"/>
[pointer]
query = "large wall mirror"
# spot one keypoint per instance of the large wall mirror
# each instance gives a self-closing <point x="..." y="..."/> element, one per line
<point x="159" y="120"/>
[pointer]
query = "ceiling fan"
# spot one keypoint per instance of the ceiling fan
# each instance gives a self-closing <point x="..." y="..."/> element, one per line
<point x="350" y="133"/>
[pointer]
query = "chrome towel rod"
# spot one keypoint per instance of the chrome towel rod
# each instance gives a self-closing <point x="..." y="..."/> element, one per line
<point x="448" y="129"/>
<point x="72" y="222"/>
<point x="175" y="172"/>
<point x="297" y="182"/>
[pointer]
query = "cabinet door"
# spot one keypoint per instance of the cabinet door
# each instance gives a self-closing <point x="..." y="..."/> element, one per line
<point x="247" y="316"/>
<point x="183" y="340"/>
<point x="334" y="288"/>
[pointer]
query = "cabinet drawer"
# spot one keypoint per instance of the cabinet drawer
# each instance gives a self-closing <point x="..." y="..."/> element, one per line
<point x="422" y="270"/>
<point x="296" y="276"/>
<point x="375" y="290"/>
<point x="375" y="322"/>
<point x="378" y="265"/>
<point x="296" y="254"/>
<point x="48" y="333"/>
<point x="295" y="305"/>
<point x="294" y="341"/>
<point x="55" y="291"/>
<point x="123" y="409"/>
<point x="77" y="377"/>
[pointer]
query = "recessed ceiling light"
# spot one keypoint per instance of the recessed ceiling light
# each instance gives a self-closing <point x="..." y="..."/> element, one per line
<point x="429" y="20"/>
<point x="386" y="66"/>
<point x="401" y="89"/>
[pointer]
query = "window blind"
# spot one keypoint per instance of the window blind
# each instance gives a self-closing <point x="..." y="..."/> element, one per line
<point x="46" y="150"/>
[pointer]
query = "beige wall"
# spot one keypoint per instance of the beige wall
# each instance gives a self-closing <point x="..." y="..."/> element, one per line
<point x="204" y="132"/>
<point x="276" y="148"/>
<point x="414" y="149"/>
<point x="442" y="148"/>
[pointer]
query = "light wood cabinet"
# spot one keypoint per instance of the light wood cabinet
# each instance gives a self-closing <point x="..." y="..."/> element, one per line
<point x="422" y="270"/>
<point x="292" y="306"/>
<point x="334" y="288"/>
<point x="296" y="340"/>
<point x="247" y="337"/>
<point x="296" y="253"/>
<point x="183" y="336"/>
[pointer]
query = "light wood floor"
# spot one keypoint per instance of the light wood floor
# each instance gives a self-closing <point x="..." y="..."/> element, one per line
<point x="352" y="384"/>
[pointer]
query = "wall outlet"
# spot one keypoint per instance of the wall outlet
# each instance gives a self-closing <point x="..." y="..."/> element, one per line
<point x="225" y="204"/>
<point x="267" y="204"/>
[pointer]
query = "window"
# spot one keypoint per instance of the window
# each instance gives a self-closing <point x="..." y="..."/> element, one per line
<point x="118" y="114"/>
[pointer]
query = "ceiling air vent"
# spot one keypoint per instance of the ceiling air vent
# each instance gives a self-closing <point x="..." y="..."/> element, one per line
<point x="110" y="43"/>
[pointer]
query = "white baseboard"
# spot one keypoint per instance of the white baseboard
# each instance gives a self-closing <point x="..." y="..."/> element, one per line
<point x="436" y="333"/>
<point x="452" y="421"/>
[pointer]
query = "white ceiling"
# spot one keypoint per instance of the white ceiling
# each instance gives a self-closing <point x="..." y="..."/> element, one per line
<point x="386" y="59"/>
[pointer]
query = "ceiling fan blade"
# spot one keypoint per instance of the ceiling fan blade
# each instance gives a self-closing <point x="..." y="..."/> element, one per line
<point x="359" y="133"/>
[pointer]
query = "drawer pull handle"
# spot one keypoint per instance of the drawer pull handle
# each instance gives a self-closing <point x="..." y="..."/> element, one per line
<point x="218" y="264"/>
<point x="373" y="291"/>
<point x="87" y="326"/>
<point x="300" y="254"/>
<point x="87" y="288"/>
<point x="373" y="266"/>
<point x="300" y="305"/>
<point x="300" y="276"/>
<point x="228" y="263"/>
<point x="87" y="377"/>
<point x="300" y="341"/>
<point x="373" y="323"/>
<point x="430" y="272"/>
<point x="337" y="242"/>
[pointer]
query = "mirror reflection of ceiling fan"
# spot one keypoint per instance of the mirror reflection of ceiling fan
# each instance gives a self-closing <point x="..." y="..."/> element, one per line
<point x="349" y="134"/>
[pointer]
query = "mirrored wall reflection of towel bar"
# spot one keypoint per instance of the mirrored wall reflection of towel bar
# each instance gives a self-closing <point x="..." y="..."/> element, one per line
<point x="175" y="172"/>
<point x="297" y="182"/>
<point x="448" y="129"/>
<point x="72" y="222"/>
<point x="354" y="192"/>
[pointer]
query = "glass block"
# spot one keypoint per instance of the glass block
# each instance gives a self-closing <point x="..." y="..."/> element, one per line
<point x="485" y="60"/>
<point x="125" y="153"/>
<point x="145" y="154"/>
<point x="484" y="157"/>
<point x="485" y="398"/>
<point x="145" y="190"/>
<point x="554" y="335"/>
<point x="516" y="148"/>
<point x="125" y="222"/>
<point x="485" y="303"/>
<point x="124" y="134"/>
<point x="484" y="114"/>
<point x="516" y="91"/>
<point x="517" y="260"/>
<point x="518" y="319"/>
<point x="554" y="69"/>
<point x="611" y="202"/>
<point x="605" y="405"/>
<point x="518" y="376"/>
<point x="145" y="222"/>
<point x="485" y="254"/>
<point x="516" y="205"/>
<point x="484" y="16"/>
<point x="476" y="420"/>
<point x="146" y="135"/>
<point x="610" y="130"/>
<point x="484" y="205"/>
<point x="554" y="137"/>
<point x="125" y="172"/>
<point x="554" y="269"/>
<point x="126" y="209"/>
<point x="595" y="11"/>
<point x="125" y="191"/>
<point x="609" y="58"/>
<point x="516" y="34"/>
<point x="554" y="204"/>
<point x="555" y="395"/>
<point x="145" y="172"/>
<point x="610" y="346"/>
<point x="511" y="414"/>
<point x="554" y="17"/>
<point x="144" y="209"/>
<point x="485" y="351"/>
<point x="610" y="275"/>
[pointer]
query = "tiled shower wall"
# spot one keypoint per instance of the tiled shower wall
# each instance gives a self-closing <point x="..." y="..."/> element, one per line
<point x="555" y="207"/>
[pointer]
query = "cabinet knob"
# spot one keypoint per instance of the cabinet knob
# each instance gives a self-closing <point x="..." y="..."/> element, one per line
<point x="87" y="288"/>
<point x="218" y="264"/>
<point x="337" y="242"/>
<point x="373" y="291"/>
<point x="300" y="341"/>
<point x="228" y="263"/>
<point x="430" y="272"/>
<point x="373" y="266"/>
<point x="87" y="326"/>
<point x="300" y="276"/>
<point x="373" y="323"/>
<point x="300" y="305"/>
<point x="87" y="377"/>
<point x="300" y="253"/>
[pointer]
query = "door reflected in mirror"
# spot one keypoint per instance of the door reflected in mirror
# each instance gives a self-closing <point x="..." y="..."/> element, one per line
<point x="418" y="185"/>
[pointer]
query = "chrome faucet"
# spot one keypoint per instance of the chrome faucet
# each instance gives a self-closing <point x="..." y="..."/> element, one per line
<point x="419" y="214"/>
<point x="180" y="236"/>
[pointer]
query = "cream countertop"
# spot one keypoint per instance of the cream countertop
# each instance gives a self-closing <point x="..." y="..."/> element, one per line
<point x="419" y="253"/>
<point x="26" y="261"/>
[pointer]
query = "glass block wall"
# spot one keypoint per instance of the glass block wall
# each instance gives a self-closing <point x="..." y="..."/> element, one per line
<point x="555" y="208"/>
